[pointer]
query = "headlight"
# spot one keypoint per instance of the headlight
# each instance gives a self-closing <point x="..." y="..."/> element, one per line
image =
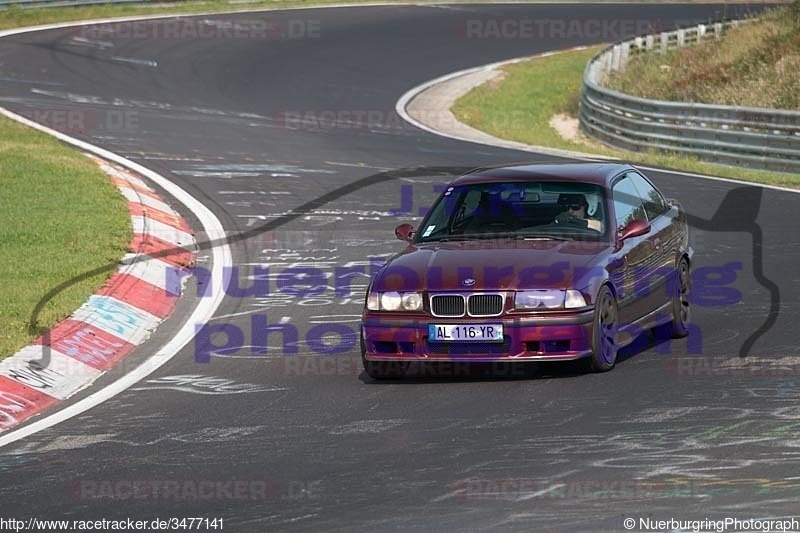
<point x="390" y="301"/>
<point x="539" y="299"/>
<point x="394" y="301"/>
<point x="549" y="299"/>
<point x="412" y="301"/>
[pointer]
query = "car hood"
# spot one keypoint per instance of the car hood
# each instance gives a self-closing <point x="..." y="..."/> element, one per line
<point x="493" y="265"/>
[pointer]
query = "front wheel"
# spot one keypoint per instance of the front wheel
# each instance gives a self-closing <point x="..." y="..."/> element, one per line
<point x="604" y="332"/>
<point x="681" y="310"/>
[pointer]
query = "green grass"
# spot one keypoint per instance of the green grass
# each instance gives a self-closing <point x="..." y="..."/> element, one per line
<point x="519" y="108"/>
<point x="60" y="216"/>
<point x="754" y="65"/>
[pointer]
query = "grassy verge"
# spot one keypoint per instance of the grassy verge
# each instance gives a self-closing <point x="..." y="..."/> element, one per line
<point x="520" y="108"/>
<point x="755" y="65"/>
<point x="61" y="216"/>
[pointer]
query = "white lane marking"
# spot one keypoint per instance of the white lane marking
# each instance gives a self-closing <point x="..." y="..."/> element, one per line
<point x="356" y="165"/>
<point x="255" y="192"/>
<point x="223" y="175"/>
<point x="83" y="41"/>
<point x="144" y="62"/>
<point x="444" y="6"/>
<point x="222" y="259"/>
<point x="164" y="158"/>
<point x="206" y="385"/>
<point x="334" y="319"/>
<point x="412" y="93"/>
<point x="72" y="97"/>
<point x="240" y="313"/>
<point x="540" y="492"/>
<point x="250" y="169"/>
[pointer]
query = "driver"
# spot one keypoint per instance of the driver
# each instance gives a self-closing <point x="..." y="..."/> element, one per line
<point x="575" y="214"/>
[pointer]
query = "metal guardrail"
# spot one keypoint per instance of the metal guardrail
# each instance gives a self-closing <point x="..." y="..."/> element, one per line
<point x="742" y="136"/>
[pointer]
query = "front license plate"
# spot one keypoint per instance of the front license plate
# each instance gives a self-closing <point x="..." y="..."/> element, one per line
<point x="468" y="333"/>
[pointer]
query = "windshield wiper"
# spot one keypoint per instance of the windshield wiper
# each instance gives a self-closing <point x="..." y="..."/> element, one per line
<point x="446" y="239"/>
<point x="530" y="237"/>
<point x="472" y="237"/>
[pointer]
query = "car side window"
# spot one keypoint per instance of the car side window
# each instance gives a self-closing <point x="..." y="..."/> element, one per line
<point x="654" y="203"/>
<point x="627" y="203"/>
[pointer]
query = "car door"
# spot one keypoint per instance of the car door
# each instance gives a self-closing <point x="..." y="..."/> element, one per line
<point x="663" y="237"/>
<point x="634" y="260"/>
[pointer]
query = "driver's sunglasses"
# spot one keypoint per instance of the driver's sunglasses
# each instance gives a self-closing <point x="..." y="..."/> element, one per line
<point x="575" y="207"/>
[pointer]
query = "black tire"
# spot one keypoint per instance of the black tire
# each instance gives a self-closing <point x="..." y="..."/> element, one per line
<point x="382" y="369"/>
<point x="605" y="325"/>
<point x="681" y="308"/>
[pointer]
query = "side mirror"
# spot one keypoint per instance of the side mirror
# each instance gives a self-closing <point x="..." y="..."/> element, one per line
<point x="404" y="232"/>
<point x="634" y="228"/>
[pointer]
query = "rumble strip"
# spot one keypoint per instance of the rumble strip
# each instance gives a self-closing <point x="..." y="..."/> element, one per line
<point x="122" y="315"/>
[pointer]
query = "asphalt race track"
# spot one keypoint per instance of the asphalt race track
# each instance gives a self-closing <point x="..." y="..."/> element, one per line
<point x="316" y="443"/>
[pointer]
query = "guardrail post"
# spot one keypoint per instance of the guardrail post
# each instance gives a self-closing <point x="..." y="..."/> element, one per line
<point x="615" y="57"/>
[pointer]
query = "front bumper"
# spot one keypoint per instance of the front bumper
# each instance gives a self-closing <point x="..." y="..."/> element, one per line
<point x="560" y="337"/>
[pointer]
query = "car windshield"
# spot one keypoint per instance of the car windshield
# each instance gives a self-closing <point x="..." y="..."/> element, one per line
<point x="559" y="210"/>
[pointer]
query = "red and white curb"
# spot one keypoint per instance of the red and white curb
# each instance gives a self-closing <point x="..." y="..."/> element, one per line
<point x="122" y="315"/>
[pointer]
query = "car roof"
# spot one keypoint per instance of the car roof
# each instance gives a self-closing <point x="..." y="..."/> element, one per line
<point x="596" y="173"/>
